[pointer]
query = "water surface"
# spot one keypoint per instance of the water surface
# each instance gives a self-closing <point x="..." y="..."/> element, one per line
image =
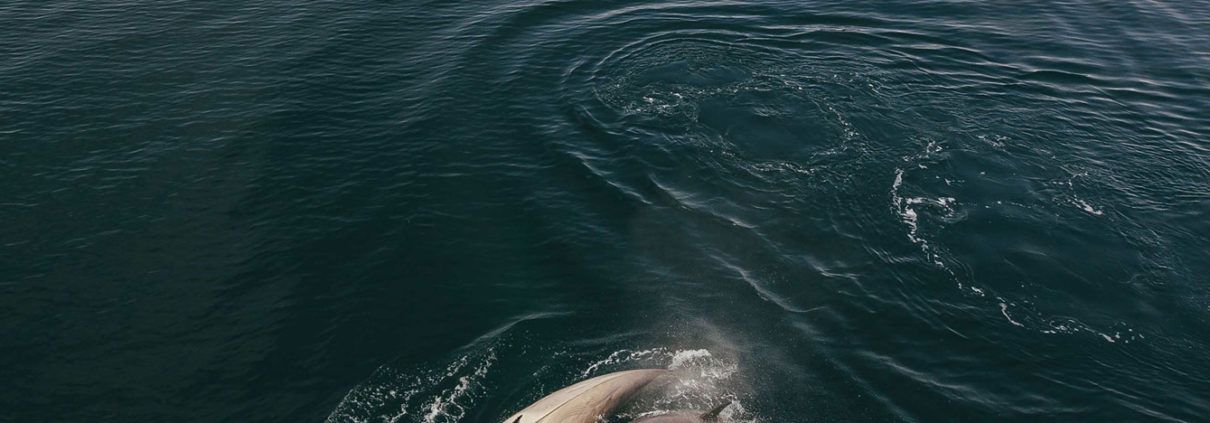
<point x="936" y="211"/>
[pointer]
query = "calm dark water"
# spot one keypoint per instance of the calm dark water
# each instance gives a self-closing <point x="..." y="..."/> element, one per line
<point x="269" y="211"/>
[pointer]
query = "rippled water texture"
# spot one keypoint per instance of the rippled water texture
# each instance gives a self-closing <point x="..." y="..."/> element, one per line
<point x="440" y="211"/>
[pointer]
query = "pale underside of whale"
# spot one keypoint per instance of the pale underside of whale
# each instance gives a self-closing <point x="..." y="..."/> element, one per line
<point x="587" y="401"/>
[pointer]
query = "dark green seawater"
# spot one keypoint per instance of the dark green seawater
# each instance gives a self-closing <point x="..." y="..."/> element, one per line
<point x="423" y="211"/>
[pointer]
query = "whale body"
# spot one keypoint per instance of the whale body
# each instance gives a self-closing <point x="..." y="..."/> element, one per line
<point x="686" y="416"/>
<point x="587" y="401"/>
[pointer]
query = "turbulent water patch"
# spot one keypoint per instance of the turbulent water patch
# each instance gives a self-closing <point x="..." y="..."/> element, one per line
<point x="439" y="395"/>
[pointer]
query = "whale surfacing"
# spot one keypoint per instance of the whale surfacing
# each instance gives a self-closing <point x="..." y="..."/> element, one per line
<point x="686" y="416"/>
<point x="587" y="401"/>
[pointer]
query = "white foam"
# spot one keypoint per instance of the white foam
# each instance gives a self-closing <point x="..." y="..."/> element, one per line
<point x="1004" y="311"/>
<point x="451" y="405"/>
<point x="677" y="360"/>
<point x="684" y="356"/>
<point x="996" y="141"/>
<point x="622" y="356"/>
<point x="1072" y="327"/>
<point x="911" y="218"/>
<point x="393" y="396"/>
<point x="1083" y="205"/>
<point x="932" y="147"/>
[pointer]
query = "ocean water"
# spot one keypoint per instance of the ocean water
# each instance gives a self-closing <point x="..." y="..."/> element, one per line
<point x="422" y="211"/>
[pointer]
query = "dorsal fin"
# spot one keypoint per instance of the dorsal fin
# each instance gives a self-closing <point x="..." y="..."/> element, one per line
<point x="518" y="420"/>
<point x="712" y="415"/>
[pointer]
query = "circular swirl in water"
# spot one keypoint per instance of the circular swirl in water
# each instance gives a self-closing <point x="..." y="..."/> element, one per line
<point x="733" y="97"/>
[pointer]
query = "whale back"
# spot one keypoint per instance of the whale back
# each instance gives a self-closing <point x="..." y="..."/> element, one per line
<point x="711" y="416"/>
<point x="586" y="401"/>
